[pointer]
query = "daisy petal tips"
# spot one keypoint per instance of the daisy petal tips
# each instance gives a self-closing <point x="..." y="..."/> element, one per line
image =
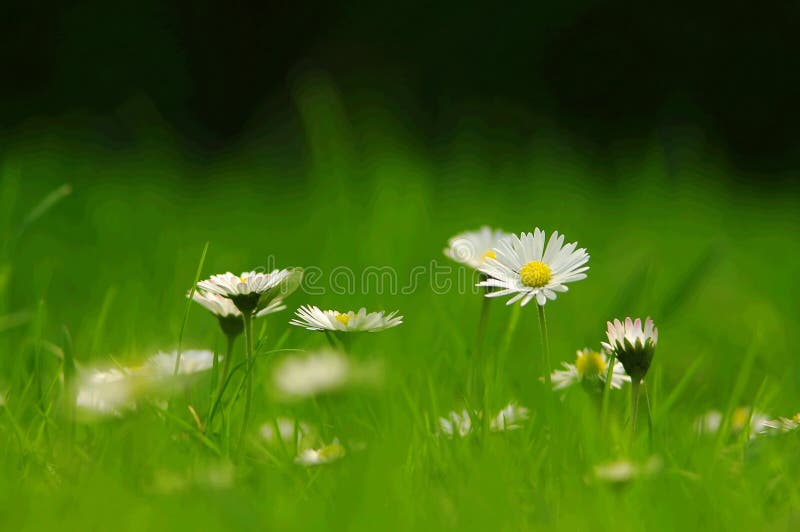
<point x="529" y="266"/>
<point x="253" y="291"/>
<point x="474" y="248"/>
<point x="315" y="319"/>
<point x="633" y="343"/>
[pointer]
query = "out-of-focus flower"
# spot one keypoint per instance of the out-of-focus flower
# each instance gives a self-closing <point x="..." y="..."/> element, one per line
<point x="711" y="421"/>
<point x="456" y="424"/>
<point x="473" y="248"/>
<point x="589" y="367"/>
<point x="623" y="471"/>
<point x="105" y="392"/>
<point x="524" y="267"/>
<point x="510" y="417"/>
<point x="162" y="365"/>
<point x="323" y="455"/>
<point x="325" y="371"/>
<point x="315" y="319"/>
<point x="782" y="425"/>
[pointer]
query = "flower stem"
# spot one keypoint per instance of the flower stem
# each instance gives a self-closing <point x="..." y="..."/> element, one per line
<point x="226" y="364"/>
<point x="483" y="321"/>
<point x="635" y="389"/>
<point x="248" y="341"/>
<point x="545" y="347"/>
<point x="612" y="359"/>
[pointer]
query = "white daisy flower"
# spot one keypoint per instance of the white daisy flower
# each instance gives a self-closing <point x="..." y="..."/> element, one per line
<point x="315" y="319"/>
<point x="711" y="421"/>
<point x="509" y="418"/>
<point x="590" y="367"/>
<point x="782" y="425"/>
<point x="162" y="365"/>
<point x="456" y="424"/>
<point x="290" y="431"/>
<point x="105" y="392"/>
<point x="473" y="248"/>
<point x="253" y="291"/>
<point x="222" y="307"/>
<point x="525" y="267"/>
<point x="623" y="471"/>
<point x="325" y="371"/>
<point x="324" y="455"/>
<point x="632" y="344"/>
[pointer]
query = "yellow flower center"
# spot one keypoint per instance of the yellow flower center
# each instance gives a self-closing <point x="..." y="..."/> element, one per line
<point x="739" y="418"/>
<point x="344" y="319"/>
<point x="590" y="364"/>
<point x="535" y="274"/>
<point x="490" y="254"/>
<point x="243" y="279"/>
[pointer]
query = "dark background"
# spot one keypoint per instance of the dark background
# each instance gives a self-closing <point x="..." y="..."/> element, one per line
<point x="602" y="71"/>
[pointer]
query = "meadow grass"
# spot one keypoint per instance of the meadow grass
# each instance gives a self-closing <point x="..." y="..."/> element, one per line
<point x="99" y="272"/>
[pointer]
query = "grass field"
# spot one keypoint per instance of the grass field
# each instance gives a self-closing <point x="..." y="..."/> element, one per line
<point x="101" y="275"/>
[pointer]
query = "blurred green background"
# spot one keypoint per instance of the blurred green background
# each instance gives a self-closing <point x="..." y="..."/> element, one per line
<point x="345" y="137"/>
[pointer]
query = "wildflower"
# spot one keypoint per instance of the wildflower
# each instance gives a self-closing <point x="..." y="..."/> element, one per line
<point x="456" y="424"/>
<point x="324" y="455"/>
<point x="590" y="368"/>
<point x="632" y="345"/>
<point x="325" y="371"/>
<point x="474" y="248"/>
<point x="525" y="267"/>
<point x="509" y="418"/>
<point x="623" y="471"/>
<point x="162" y="365"/>
<point x="782" y="425"/>
<point x="230" y="318"/>
<point x="106" y="392"/>
<point x="315" y="319"/>
<point x="253" y="291"/>
<point x="711" y="421"/>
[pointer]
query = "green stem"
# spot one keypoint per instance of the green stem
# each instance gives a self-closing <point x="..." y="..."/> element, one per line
<point x="482" y="324"/>
<point x="248" y="341"/>
<point x="635" y="389"/>
<point x="226" y="364"/>
<point x="606" y="389"/>
<point x="545" y="347"/>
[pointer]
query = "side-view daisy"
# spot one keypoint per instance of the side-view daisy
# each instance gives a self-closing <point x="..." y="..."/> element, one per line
<point x="315" y="319"/>
<point x="527" y="268"/>
<point x="253" y="291"/>
<point x="590" y="368"/>
<point x="324" y="455"/>
<point x="473" y="248"/>
<point x="632" y="344"/>
<point x="230" y="318"/>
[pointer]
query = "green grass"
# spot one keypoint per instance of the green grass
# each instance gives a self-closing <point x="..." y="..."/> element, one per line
<point x="102" y="272"/>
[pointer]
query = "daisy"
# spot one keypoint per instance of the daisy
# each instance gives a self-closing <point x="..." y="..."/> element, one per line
<point x="325" y="371"/>
<point x="623" y="471"/>
<point x="589" y="367"/>
<point x="253" y="291"/>
<point x="162" y="365"/>
<point x="324" y="455"/>
<point x="222" y="307"/>
<point x="474" y="248"/>
<point x="632" y="344"/>
<point x="711" y="421"/>
<point x="509" y="418"/>
<point x="105" y="392"/>
<point x="525" y="267"/>
<point x="456" y="424"/>
<point x="782" y="425"/>
<point x="315" y="319"/>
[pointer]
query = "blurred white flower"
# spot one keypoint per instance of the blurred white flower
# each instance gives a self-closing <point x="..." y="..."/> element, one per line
<point x="323" y="455"/>
<point x="324" y="371"/>
<point x="622" y="471"/>
<point x="589" y="366"/>
<point x="162" y="365"/>
<point x="509" y="418"/>
<point x="290" y="431"/>
<point x="105" y="392"/>
<point x="710" y="422"/>
<point x="473" y="248"/>
<point x="315" y="319"/>
<point x="456" y="424"/>
<point x="782" y="425"/>
<point x="632" y="344"/>
<point x="524" y="267"/>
